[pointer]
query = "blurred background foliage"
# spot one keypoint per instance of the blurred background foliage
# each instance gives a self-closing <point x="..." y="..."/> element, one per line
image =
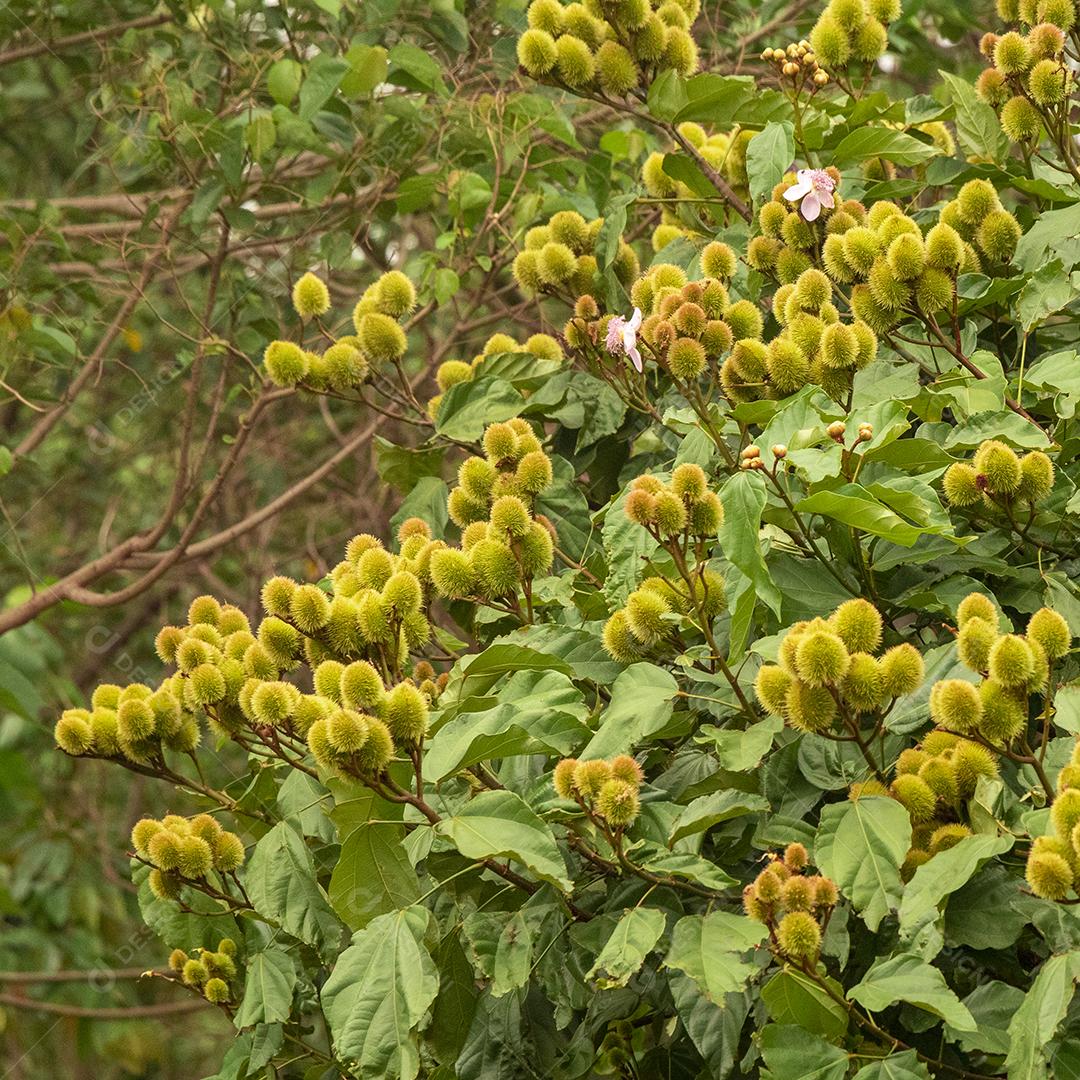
<point x="168" y="172"/>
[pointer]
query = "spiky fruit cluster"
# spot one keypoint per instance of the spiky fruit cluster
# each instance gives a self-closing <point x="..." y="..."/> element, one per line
<point x="793" y="904"/>
<point x="852" y="32"/>
<point x="722" y="151"/>
<point x="832" y="670"/>
<point x="1013" y="667"/>
<point x="815" y="346"/>
<point x="349" y="361"/>
<point x="544" y="348"/>
<point x="1029" y="81"/>
<point x="997" y="478"/>
<point x="608" y="48"/>
<point x="504" y="544"/>
<point x="607" y="790"/>
<point x="184" y="850"/>
<point x="560" y="257"/>
<point x="1054" y="859"/>
<point x="687" y="326"/>
<point x="933" y="780"/>
<point x="212" y="972"/>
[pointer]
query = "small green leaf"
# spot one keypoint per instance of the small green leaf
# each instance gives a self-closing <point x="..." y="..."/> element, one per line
<point x="634" y="937"/>
<point x="283" y="81"/>
<point x="269" y="979"/>
<point x="908" y="978"/>
<point x="709" y="948"/>
<point x="769" y="155"/>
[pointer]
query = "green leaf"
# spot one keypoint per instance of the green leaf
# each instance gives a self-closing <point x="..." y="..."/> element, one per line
<point x="538" y="712"/>
<point x="1046" y="291"/>
<point x="709" y="810"/>
<point x="905" y="1066"/>
<point x="642" y="700"/>
<point x="419" y="68"/>
<point x="368" y="66"/>
<point x="686" y="170"/>
<point x="908" y="978"/>
<point x="1056" y="233"/>
<point x="860" y="845"/>
<point x="260" y="136"/>
<point x="498" y="824"/>
<point x="280" y="879"/>
<point x="426" y="500"/>
<point x="513" y="956"/>
<point x="667" y="95"/>
<point x="626" y="547"/>
<point x="853" y="505"/>
<point x="373" y="874"/>
<point x="769" y="155"/>
<point x="879" y="142"/>
<point x="1033" y="1025"/>
<point x="283" y="81"/>
<point x="792" y="997"/>
<point x="634" y="937"/>
<point x="793" y="1053"/>
<point x="715" y="1030"/>
<point x="379" y="991"/>
<point x="681" y="864"/>
<point x="977" y="125"/>
<point x="709" y="948"/>
<point x="269" y="980"/>
<point x="942" y="875"/>
<point x="468" y="407"/>
<point x="740" y="750"/>
<point x="323" y="76"/>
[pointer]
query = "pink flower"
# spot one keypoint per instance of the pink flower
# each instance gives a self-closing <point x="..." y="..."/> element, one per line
<point x="815" y="187"/>
<point x="622" y="338"/>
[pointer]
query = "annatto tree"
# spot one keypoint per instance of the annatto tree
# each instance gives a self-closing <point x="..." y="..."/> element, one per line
<point x="717" y="718"/>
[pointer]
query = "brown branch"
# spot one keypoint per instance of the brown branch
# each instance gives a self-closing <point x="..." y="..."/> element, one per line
<point x="41" y="47"/>
<point x="84" y="1012"/>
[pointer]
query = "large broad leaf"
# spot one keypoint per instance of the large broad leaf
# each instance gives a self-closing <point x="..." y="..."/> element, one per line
<point x="1055" y="234"/>
<point x="792" y="997"/>
<point x="769" y="155"/>
<point x="853" y="505"/>
<point x="860" y="845"/>
<point x="467" y="408"/>
<point x="581" y="648"/>
<point x="269" y="979"/>
<point x="373" y="874"/>
<point x="512" y="962"/>
<point x="715" y="1030"/>
<point x="683" y="864"/>
<point x="905" y="1066"/>
<point x="498" y="824"/>
<point x="743" y="497"/>
<point x="280" y="879"/>
<point x="741" y="749"/>
<point x="379" y="991"/>
<point x="626" y="547"/>
<point x="537" y="713"/>
<point x="642" y="700"/>
<point x="633" y="938"/>
<point x="792" y="1053"/>
<point x="1035" y="1022"/>
<point x="478" y="672"/>
<point x="879" y="142"/>
<point x="977" y="124"/>
<point x="908" y="978"/>
<point x="710" y="948"/>
<point x="709" y="810"/>
<point x="943" y="875"/>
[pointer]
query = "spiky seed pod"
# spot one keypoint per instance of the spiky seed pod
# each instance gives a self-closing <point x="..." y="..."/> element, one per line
<point x="821" y="658"/>
<point x="830" y="43"/>
<point x="902" y="671"/>
<point x="1048" y="83"/>
<point x="143" y="831"/>
<point x="832" y="254"/>
<point x="1020" y="120"/>
<point x="272" y="703"/>
<point x="975" y="200"/>
<point x="1036" y="477"/>
<point x="1051" y="632"/>
<point x="105" y="696"/>
<point x="771" y="687"/>
<point x="135" y="722"/>
<point x="310" y="297"/>
<point x="955" y="704"/>
<point x="590" y="777"/>
<point x="617" y="803"/>
<point x="1065" y="813"/>
<point x="886" y="288"/>
<point x="402" y="594"/>
<point x="1011" y="661"/>
<point x="536" y="551"/>
<point x="788" y="366"/>
<point x="798" y="934"/>
<point x="196" y="859"/>
<point x="797" y="894"/>
<point x="974" y="642"/>
<point x="1046" y="41"/>
<point x="510" y="515"/>
<point x="228" y="851"/>
<point x="669" y="512"/>
<point x="910" y="761"/>
<point x="686" y="359"/>
<point x="680" y="52"/>
<point x="277" y="595"/>
<point x="536" y="52"/>
<point x="796" y="857"/>
<point x="309" y="608"/>
<point x="206" y="684"/>
<point x="916" y="797"/>
<point x="625" y="768"/>
<point x="976" y="606"/>
<point x="771" y="218"/>
<point x="163" y="850"/>
<point x="1059" y="13"/>
<point x="497" y="570"/>
<point x="906" y="256"/>
<point x="452" y="372"/>
<point x="194" y="973"/>
<point x="406" y="714"/>
<point x="745" y="319"/>
<point x="646" y="613"/>
<point x="1000" y="466"/>
<point x="286" y="364"/>
<point x="706" y="515"/>
<point x="688" y="481"/>
<point x="619" y="641"/>
<point x="105" y="732"/>
<point x="809" y="708"/>
<point x="938" y="775"/>
<point x="718" y="261"/>
<point x="813" y="290"/>
<point x="562" y="778"/>
<point x="861" y="686"/>
<point x="362" y="687"/>
<point x="1004" y="718"/>
<point x="998" y="236"/>
<point x="73" y="732"/>
<point x="858" y="624"/>
<point x="556" y="264"/>
<point x="689" y="318"/>
<point x="1049" y="875"/>
<point x="970" y="762"/>
<point x="615" y="69"/>
<point x="381" y="338"/>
